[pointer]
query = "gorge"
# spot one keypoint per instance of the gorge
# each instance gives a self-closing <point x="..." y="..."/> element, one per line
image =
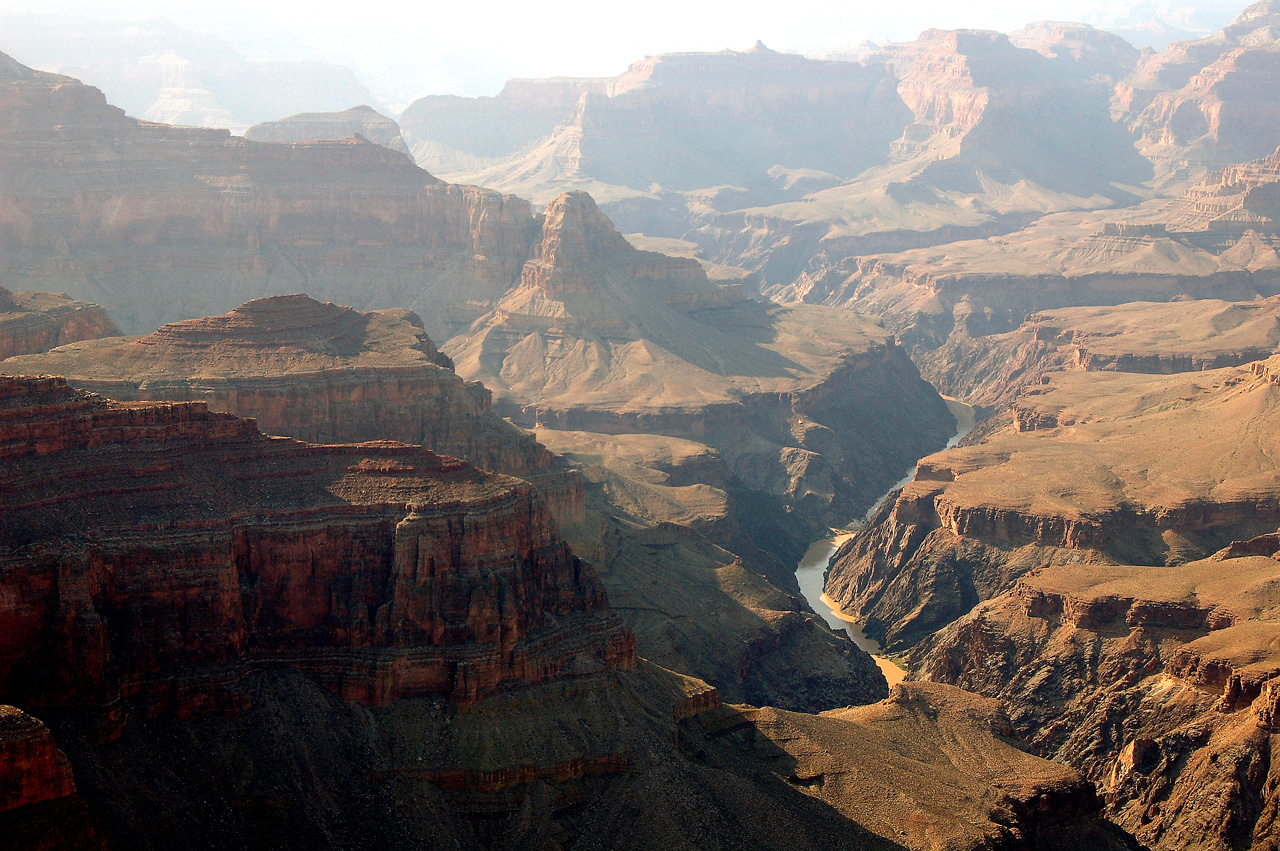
<point x="352" y="501"/>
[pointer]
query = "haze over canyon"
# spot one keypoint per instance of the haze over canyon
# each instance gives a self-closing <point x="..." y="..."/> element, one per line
<point x="398" y="468"/>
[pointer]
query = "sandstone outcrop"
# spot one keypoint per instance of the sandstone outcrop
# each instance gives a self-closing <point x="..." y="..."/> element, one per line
<point x="316" y="372"/>
<point x="1097" y="467"/>
<point x="40" y="809"/>
<point x="364" y="121"/>
<point x="37" y="322"/>
<point x="161" y="223"/>
<point x="154" y="553"/>
<point x="1158" y="683"/>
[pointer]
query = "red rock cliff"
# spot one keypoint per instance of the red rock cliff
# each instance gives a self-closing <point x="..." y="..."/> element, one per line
<point x="36" y="322"/>
<point x="155" y="552"/>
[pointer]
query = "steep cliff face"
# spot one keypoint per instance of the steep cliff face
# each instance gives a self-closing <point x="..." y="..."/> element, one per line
<point x="1096" y="468"/>
<point x="320" y="373"/>
<point x="186" y="548"/>
<point x="40" y="809"/>
<point x="602" y="338"/>
<point x="307" y="126"/>
<point x="243" y="642"/>
<point x="1203" y="104"/>
<point x="1159" y="683"/>
<point x="37" y="322"/>
<point x="141" y="218"/>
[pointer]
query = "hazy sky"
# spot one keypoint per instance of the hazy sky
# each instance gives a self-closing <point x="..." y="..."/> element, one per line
<point x="402" y="49"/>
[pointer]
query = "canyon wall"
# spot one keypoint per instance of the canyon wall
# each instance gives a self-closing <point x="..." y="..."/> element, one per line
<point x="1093" y="468"/>
<point x="160" y="223"/>
<point x="37" y="322"/>
<point x="320" y="373"/>
<point x="275" y="552"/>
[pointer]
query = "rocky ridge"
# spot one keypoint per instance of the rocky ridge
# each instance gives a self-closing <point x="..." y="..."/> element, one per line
<point x="1095" y="468"/>
<point x="320" y="373"/>
<point x="611" y="340"/>
<point x="160" y="223"/>
<point x="37" y="322"/>
<point x="364" y="121"/>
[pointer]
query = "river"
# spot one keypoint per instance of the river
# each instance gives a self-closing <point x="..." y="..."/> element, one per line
<point x="812" y="569"/>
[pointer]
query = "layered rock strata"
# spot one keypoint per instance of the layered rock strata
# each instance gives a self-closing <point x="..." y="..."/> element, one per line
<point x="37" y="322"/>
<point x="40" y="809"/>
<point x="1159" y="683"/>
<point x="1207" y="103"/>
<point x="808" y="407"/>
<point x="1218" y="240"/>
<point x="155" y="553"/>
<point x="1145" y="337"/>
<point x="160" y="223"/>
<point x="320" y="373"/>
<point x="1095" y="468"/>
<point x="244" y="641"/>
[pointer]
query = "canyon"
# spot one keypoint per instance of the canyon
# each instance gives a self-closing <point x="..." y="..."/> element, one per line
<point x="379" y="625"/>
<point x="502" y="554"/>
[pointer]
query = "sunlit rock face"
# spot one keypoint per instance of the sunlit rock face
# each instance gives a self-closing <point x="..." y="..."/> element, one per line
<point x="1204" y="104"/>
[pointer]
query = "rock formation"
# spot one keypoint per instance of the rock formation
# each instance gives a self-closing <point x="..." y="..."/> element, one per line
<point x="756" y="119"/>
<point x="40" y="809"/>
<point x="1149" y="337"/>
<point x="1159" y="683"/>
<point x="1218" y="240"/>
<point x="957" y="133"/>
<point x="1089" y="52"/>
<point x="1097" y="467"/>
<point x="600" y="337"/>
<point x="1204" y="104"/>
<point x="364" y="121"/>
<point x="242" y="641"/>
<point x="222" y="547"/>
<point x="316" y="372"/>
<point x="37" y="322"/>
<point x="161" y="223"/>
<point x="664" y="533"/>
